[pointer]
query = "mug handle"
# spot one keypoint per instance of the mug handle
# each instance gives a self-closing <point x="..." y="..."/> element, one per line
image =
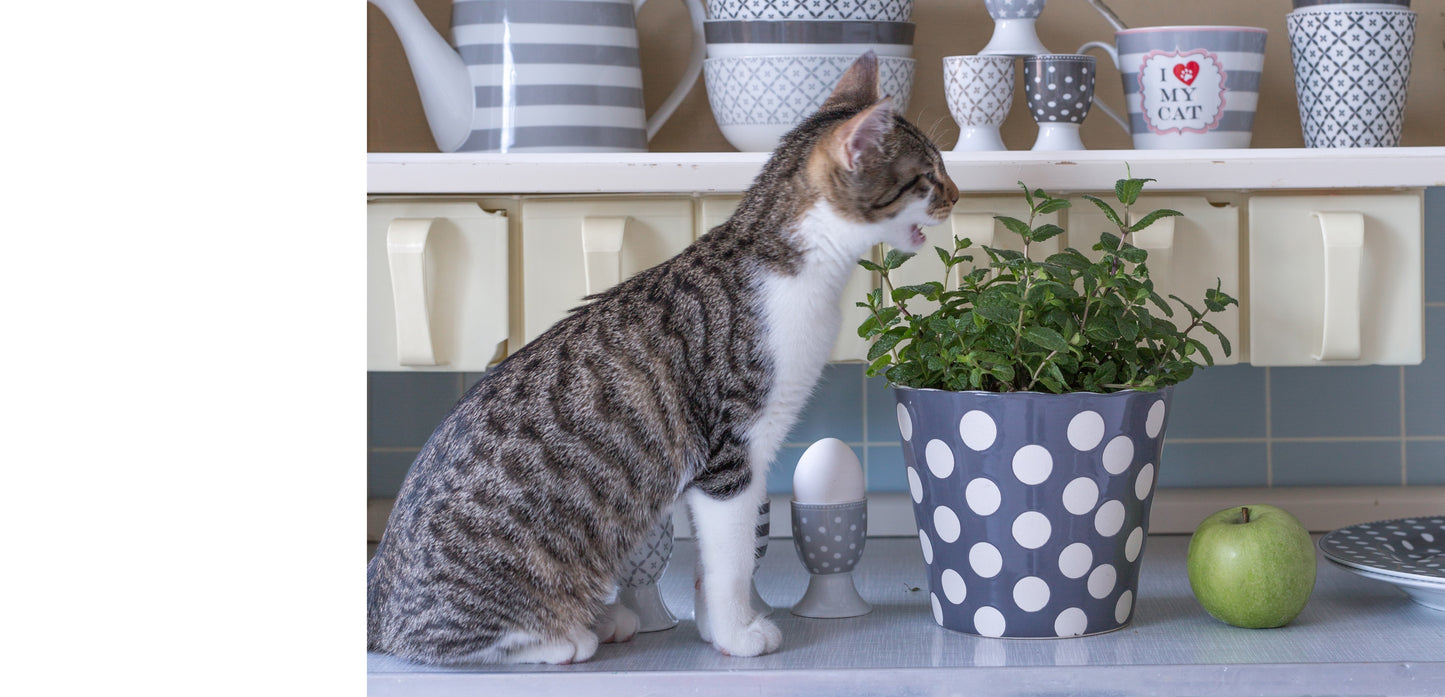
<point x="689" y="76"/>
<point x="1104" y="107"/>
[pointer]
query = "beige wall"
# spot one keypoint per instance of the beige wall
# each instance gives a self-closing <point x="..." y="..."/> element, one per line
<point x="945" y="27"/>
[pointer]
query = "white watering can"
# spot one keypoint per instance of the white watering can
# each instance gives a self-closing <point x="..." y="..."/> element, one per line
<point x="536" y="75"/>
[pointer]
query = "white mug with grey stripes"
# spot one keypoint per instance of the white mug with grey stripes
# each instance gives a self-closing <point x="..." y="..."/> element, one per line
<point x="1187" y="86"/>
<point x="536" y="75"/>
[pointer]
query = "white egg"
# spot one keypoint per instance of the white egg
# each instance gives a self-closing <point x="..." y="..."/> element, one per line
<point x="828" y="472"/>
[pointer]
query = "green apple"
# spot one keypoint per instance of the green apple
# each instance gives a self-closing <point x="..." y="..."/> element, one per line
<point x="1252" y="566"/>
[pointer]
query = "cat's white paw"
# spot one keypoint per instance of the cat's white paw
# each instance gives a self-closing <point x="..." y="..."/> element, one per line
<point x="580" y="645"/>
<point x="756" y="639"/>
<point x="699" y="615"/>
<point x="619" y="623"/>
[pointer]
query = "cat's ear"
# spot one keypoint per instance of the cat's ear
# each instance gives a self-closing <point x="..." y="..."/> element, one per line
<point x="863" y="134"/>
<point x="859" y="85"/>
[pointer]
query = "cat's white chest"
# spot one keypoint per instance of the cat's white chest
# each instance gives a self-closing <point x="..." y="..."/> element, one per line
<point x="801" y="317"/>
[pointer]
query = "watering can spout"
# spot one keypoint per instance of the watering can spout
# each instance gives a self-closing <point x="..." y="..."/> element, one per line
<point x="447" y="95"/>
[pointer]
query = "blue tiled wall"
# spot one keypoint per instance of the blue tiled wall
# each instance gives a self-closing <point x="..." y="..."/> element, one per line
<point x="1232" y="425"/>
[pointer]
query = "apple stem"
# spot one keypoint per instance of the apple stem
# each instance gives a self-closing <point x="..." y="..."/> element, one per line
<point x="1244" y="511"/>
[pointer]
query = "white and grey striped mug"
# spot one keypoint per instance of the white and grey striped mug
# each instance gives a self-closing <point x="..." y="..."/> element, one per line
<point x="1187" y="86"/>
<point x="536" y="75"/>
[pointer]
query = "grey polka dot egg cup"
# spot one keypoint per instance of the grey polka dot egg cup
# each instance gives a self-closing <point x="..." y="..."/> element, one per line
<point x="829" y="538"/>
<point x="637" y="580"/>
<point x="1059" y="90"/>
<point x="1032" y="508"/>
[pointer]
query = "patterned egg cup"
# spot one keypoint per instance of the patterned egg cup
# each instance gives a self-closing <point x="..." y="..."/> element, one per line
<point x="980" y="90"/>
<point x="760" y="548"/>
<point x="1059" y="90"/>
<point x="1032" y="508"/>
<point x="829" y="538"/>
<point x="637" y="580"/>
<point x="1014" y="31"/>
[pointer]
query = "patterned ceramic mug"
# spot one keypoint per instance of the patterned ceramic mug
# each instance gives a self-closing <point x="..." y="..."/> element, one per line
<point x="1351" y="70"/>
<point x="1188" y="87"/>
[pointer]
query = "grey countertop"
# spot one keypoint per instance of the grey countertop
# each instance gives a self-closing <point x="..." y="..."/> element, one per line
<point x="1356" y="637"/>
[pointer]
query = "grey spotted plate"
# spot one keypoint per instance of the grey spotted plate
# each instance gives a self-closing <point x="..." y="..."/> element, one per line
<point x="1427" y="593"/>
<point x="1405" y="548"/>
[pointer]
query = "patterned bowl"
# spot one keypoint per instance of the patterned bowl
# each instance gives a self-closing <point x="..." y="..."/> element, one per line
<point x="756" y="99"/>
<point x="729" y="38"/>
<point x="876" y="10"/>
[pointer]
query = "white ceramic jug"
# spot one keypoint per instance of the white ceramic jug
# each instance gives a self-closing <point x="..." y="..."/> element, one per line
<point x="536" y="75"/>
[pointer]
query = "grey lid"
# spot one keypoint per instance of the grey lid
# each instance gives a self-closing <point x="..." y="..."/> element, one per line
<point x="807" y="32"/>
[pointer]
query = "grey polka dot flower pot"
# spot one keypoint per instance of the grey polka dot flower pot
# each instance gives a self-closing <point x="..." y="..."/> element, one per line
<point x="1032" y="508"/>
<point x="829" y="538"/>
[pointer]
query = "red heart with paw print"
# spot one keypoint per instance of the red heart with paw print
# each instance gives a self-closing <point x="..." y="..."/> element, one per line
<point x="1186" y="72"/>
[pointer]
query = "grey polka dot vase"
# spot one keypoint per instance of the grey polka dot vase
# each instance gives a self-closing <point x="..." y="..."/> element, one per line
<point x="829" y="538"/>
<point x="1032" y="508"/>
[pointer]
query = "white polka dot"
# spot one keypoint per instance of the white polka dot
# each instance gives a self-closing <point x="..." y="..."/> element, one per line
<point x="953" y="587"/>
<point x="1118" y="454"/>
<point x="1031" y="594"/>
<point x="1071" y="622"/>
<point x="1032" y="464"/>
<point x="1154" y="423"/>
<point x="945" y="523"/>
<point x="985" y="560"/>
<point x="1086" y="430"/>
<point x="937" y="609"/>
<point x="988" y="622"/>
<point x="915" y="485"/>
<point x="927" y="546"/>
<point x="977" y="430"/>
<point x="1102" y="580"/>
<point x="1075" y="560"/>
<point x="1122" y="608"/>
<point x="1081" y="495"/>
<point x="939" y="457"/>
<point x="982" y="496"/>
<point x="1109" y="518"/>
<point x="1031" y="529"/>
<point x="1134" y="543"/>
<point x="905" y="423"/>
<point x="1145" y="483"/>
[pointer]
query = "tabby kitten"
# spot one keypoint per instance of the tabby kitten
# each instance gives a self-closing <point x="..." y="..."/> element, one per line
<point x="679" y="383"/>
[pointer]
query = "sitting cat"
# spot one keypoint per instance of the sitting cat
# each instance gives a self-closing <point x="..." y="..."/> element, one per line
<point x="679" y="383"/>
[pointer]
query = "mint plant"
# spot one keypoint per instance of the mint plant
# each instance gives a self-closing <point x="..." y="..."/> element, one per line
<point x="1066" y="323"/>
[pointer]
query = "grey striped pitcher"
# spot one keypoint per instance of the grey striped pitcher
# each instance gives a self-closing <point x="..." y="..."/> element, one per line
<point x="536" y="75"/>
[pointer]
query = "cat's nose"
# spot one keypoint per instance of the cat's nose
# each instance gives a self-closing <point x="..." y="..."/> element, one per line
<point x="950" y="190"/>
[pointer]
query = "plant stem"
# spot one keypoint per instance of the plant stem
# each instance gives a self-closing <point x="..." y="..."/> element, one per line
<point x="1034" y="378"/>
<point x="1244" y="511"/>
<point x="887" y="282"/>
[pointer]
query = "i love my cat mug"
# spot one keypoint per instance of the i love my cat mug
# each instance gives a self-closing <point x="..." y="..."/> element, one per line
<point x="1188" y="86"/>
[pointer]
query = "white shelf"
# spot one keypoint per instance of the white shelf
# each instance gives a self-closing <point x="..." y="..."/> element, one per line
<point x="1355" y="637"/>
<point x="1086" y="170"/>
